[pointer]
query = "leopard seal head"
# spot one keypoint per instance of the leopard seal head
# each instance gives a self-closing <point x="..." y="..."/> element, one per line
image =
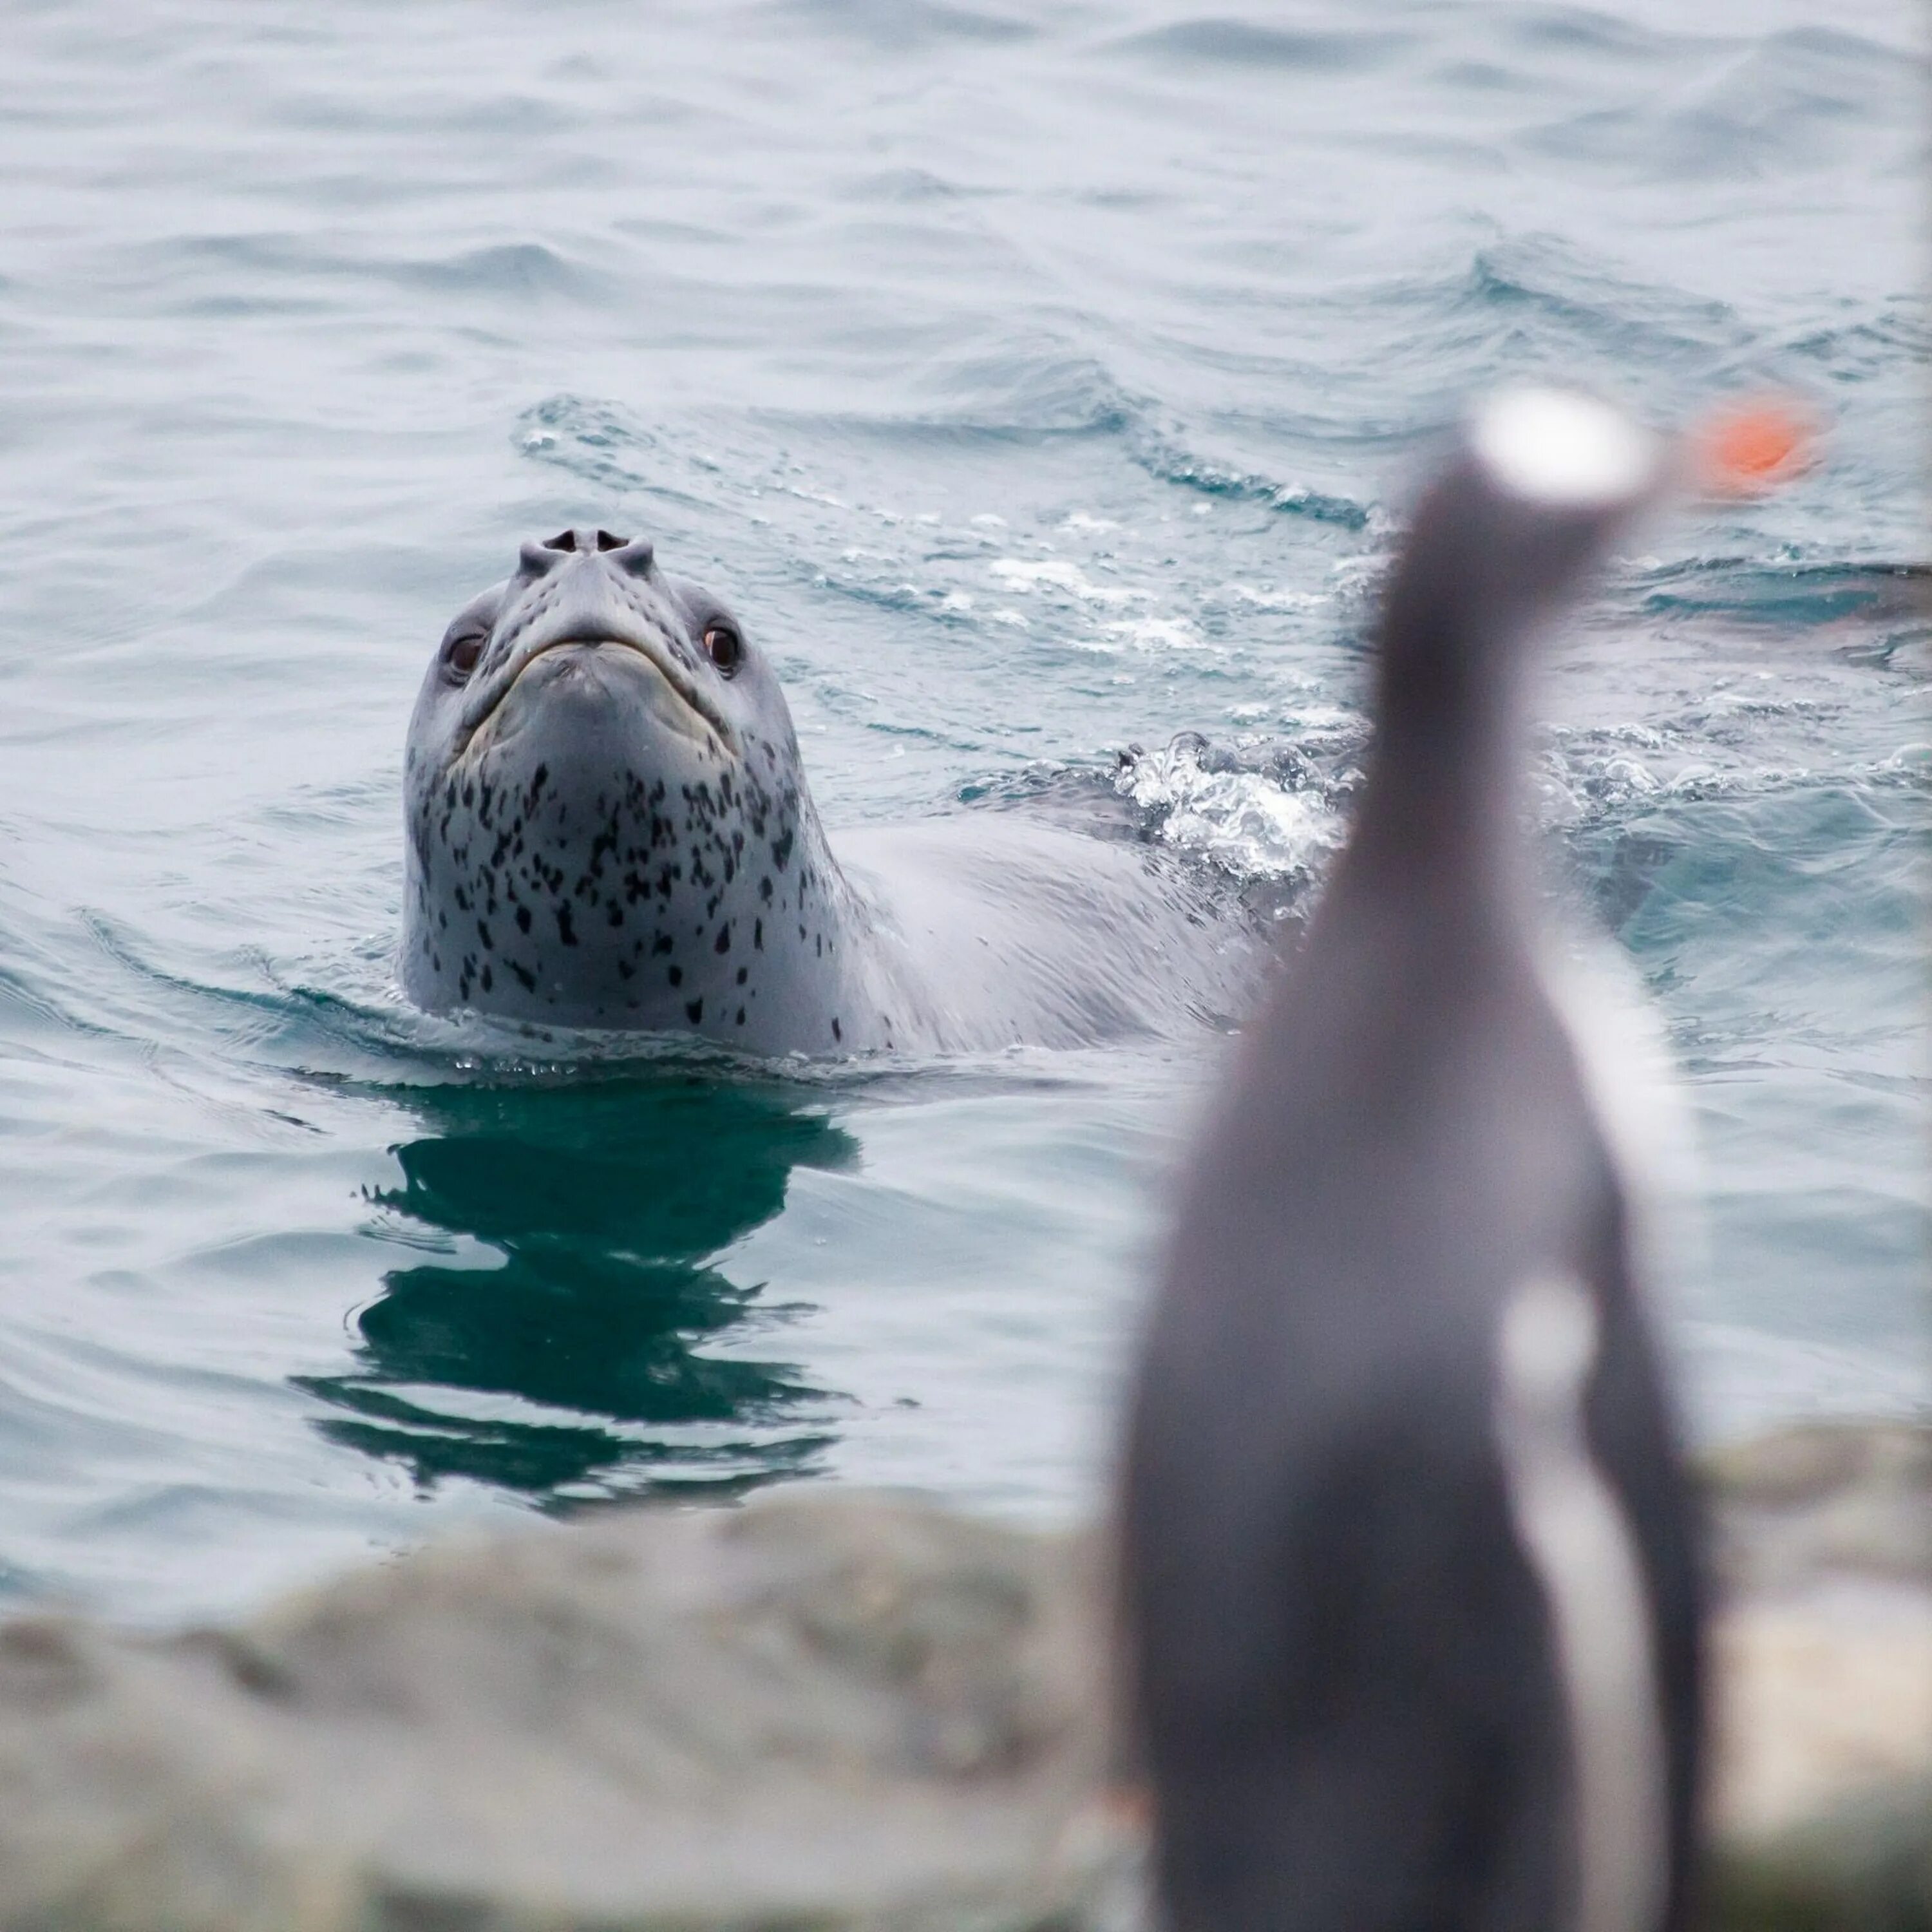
<point x="607" y="822"/>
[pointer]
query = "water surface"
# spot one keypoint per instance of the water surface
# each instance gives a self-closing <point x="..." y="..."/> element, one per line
<point x="1039" y="382"/>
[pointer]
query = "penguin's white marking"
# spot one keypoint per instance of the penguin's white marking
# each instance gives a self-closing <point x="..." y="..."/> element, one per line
<point x="1564" y="448"/>
<point x="1637" y="1097"/>
<point x="1579" y="1542"/>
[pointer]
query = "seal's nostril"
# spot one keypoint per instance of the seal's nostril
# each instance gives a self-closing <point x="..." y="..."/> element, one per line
<point x="563" y="540"/>
<point x="635" y="557"/>
<point x="605" y="540"/>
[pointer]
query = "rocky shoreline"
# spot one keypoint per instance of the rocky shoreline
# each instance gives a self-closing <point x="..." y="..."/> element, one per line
<point x="1822" y="1799"/>
<point x="831" y="1712"/>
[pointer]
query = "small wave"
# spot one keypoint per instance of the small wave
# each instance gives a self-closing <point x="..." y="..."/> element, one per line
<point x="904" y="25"/>
<point x="1058" y="574"/>
<point x="600" y="444"/>
<point x="1582" y="787"/>
<point x="519" y="271"/>
<point x="1258" y="812"/>
<point x="1157" y="634"/>
<point x="523" y="270"/>
<point x="904" y="186"/>
<point x="1243" y="45"/>
<point x="1270" y="597"/>
<point x="1786" y="592"/>
<point x="593" y="440"/>
<point x="1598" y="36"/>
<point x="1862" y="351"/>
<point x="1593" y="305"/>
<point x="1032" y="386"/>
<point x="1167" y="462"/>
<point x="1735" y="108"/>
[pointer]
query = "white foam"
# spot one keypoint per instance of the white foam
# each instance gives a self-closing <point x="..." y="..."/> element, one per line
<point x="1055" y="574"/>
<point x="1267" y="597"/>
<point x="1158" y="634"/>
<point x="1242" y="821"/>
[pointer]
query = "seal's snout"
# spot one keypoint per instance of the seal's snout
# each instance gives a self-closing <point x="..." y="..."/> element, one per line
<point x="635" y="555"/>
<point x="586" y="541"/>
<point x="607" y="824"/>
<point x="589" y="613"/>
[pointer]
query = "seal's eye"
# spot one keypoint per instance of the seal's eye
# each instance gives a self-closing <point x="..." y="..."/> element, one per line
<point x="726" y="648"/>
<point x="461" y="653"/>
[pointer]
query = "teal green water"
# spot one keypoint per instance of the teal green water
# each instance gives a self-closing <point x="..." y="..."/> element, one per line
<point x="1039" y="381"/>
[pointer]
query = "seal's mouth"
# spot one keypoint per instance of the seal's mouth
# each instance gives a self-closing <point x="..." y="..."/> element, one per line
<point x="483" y="704"/>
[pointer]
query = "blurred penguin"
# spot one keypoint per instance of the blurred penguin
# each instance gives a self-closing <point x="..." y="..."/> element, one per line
<point x="1410" y="1575"/>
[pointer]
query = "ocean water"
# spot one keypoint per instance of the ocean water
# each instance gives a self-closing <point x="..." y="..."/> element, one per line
<point x="1040" y="381"/>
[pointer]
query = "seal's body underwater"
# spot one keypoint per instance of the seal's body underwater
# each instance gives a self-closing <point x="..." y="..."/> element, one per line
<point x="608" y="825"/>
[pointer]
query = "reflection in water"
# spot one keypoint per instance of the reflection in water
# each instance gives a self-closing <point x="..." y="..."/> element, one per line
<point x="577" y="1363"/>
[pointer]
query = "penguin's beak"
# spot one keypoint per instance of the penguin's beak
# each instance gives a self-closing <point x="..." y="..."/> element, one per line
<point x="1749" y="448"/>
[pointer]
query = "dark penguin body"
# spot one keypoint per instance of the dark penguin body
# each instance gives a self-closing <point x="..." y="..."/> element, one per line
<point x="1408" y="1560"/>
<point x="608" y="825"/>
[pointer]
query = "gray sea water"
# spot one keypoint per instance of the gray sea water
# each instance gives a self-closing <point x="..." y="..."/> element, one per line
<point x="1039" y="380"/>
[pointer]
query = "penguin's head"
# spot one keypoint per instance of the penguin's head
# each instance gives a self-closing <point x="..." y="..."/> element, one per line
<point x="1564" y="453"/>
<point x="1542" y="483"/>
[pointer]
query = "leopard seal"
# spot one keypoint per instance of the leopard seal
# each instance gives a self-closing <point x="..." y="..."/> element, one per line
<point x="608" y="825"/>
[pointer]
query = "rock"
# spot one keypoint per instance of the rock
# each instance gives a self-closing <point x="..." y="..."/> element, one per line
<point x="829" y="1712"/>
<point x="1823" y="1798"/>
<point x="825" y="1712"/>
<point x="1815" y="1504"/>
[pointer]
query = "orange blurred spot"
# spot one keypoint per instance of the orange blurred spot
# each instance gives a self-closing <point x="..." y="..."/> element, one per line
<point x="1752" y="447"/>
